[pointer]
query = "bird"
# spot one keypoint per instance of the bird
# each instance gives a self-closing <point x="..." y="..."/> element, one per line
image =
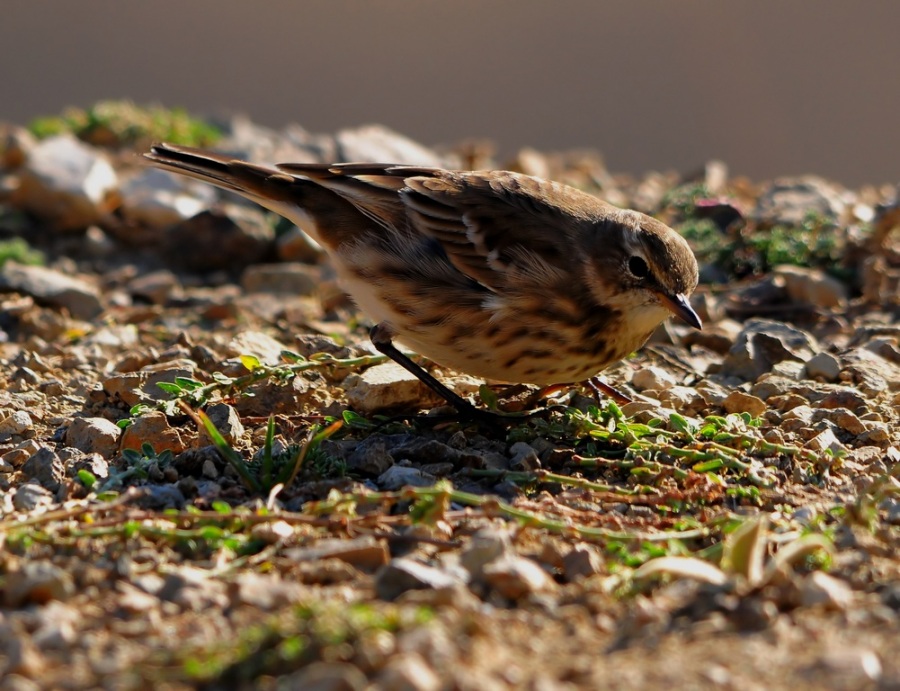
<point x="496" y="274"/>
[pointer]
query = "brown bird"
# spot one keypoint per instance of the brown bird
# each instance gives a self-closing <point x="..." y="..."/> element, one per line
<point x="492" y="273"/>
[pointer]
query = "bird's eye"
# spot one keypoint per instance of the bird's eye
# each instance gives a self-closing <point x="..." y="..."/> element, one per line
<point x="638" y="267"/>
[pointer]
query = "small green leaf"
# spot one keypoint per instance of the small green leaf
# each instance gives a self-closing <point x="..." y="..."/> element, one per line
<point x="707" y="431"/>
<point x="488" y="396"/>
<point x="170" y="387"/>
<point x="680" y="423"/>
<point x="356" y="421"/>
<point x="267" y="460"/>
<point x="187" y="383"/>
<point x="291" y="356"/>
<point x="708" y="466"/>
<point x="131" y="456"/>
<point x="613" y="410"/>
<point x="228" y="453"/>
<point x="211" y="532"/>
<point x="87" y="478"/>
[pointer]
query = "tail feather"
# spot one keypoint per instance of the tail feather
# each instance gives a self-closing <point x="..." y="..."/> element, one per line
<point x="319" y="210"/>
<point x="258" y="183"/>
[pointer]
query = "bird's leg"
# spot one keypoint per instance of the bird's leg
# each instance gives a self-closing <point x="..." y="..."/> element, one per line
<point x="601" y="388"/>
<point x="381" y="337"/>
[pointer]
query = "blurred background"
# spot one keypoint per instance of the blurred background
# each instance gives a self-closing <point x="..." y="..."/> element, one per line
<point x="770" y="87"/>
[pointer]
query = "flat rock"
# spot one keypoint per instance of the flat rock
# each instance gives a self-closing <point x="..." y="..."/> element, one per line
<point x="67" y="183"/>
<point x="685" y="399"/>
<point x="46" y="468"/>
<point x="366" y="552"/>
<point x="740" y="402"/>
<point x="803" y="413"/>
<point x="811" y="286"/>
<point x="582" y="561"/>
<point x="825" y="441"/>
<point x="142" y="386"/>
<point x="94" y="435"/>
<point x="193" y="589"/>
<point x="762" y="344"/>
<point x="409" y="672"/>
<point x="30" y="496"/>
<point x="515" y="577"/>
<point x="430" y="451"/>
<point x="718" y="336"/>
<point x="399" y="476"/>
<point x="373" y="455"/>
<point x="403" y="574"/>
<point x="326" y="676"/>
<point x="53" y="288"/>
<point x="156" y="287"/>
<point x="385" y="387"/>
<point x="869" y="371"/>
<point x="266" y="592"/>
<point x="258" y="344"/>
<point x="155" y="198"/>
<point x="17" y="423"/>
<point x="152" y="428"/>
<point x="380" y="143"/>
<point x="486" y="545"/>
<point x="821" y="589"/>
<point x="652" y="377"/>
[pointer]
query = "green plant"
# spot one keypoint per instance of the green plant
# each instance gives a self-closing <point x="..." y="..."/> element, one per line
<point x="122" y="123"/>
<point x="18" y="250"/>
<point x="274" y="468"/>
<point x="137" y="464"/>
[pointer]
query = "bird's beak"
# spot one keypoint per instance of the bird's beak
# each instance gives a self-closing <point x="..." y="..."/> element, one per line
<point x="680" y="306"/>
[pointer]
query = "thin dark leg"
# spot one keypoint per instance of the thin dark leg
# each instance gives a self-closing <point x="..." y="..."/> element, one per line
<point x="381" y="339"/>
<point x="601" y="388"/>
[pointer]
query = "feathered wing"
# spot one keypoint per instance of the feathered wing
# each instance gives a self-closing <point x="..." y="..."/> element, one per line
<point x="493" y="227"/>
<point x="500" y="227"/>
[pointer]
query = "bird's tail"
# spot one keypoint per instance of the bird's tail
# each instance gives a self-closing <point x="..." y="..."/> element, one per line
<point x="265" y="186"/>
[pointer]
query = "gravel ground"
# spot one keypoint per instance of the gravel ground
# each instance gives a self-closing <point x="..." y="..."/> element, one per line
<point x="735" y="526"/>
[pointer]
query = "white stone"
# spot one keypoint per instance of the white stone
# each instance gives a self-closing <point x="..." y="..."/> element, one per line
<point x="17" y="422"/>
<point x="158" y="199"/>
<point x="258" y="344"/>
<point x="384" y="387"/>
<point x="66" y="182"/>
<point x="824" y="365"/>
<point x="652" y="378"/>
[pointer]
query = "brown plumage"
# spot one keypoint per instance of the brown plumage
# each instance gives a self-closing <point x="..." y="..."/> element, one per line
<point x="492" y="273"/>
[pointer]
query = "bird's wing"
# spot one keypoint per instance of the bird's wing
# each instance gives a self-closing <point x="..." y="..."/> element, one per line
<point x="501" y="226"/>
<point x="494" y="226"/>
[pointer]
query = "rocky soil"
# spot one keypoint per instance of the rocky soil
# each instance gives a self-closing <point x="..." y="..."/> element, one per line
<point x="328" y="525"/>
